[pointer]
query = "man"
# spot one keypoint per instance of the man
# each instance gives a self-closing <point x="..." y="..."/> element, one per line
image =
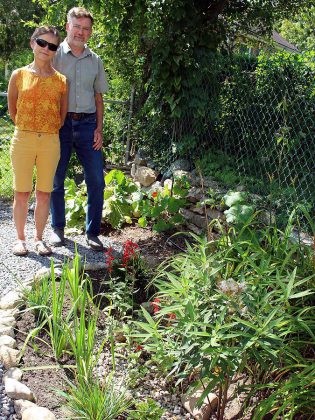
<point x="83" y="127"/>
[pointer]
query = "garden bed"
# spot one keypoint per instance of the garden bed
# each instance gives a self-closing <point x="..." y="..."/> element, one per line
<point x="44" y="375"/>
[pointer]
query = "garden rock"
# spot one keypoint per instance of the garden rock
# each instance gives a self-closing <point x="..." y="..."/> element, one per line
<point x="8" y="322"/>
<point x="145" y="176"/>
<point x="6" y="331"/>
<point x="7" y="313"/>
<point x="8" y="341"/>
<point x="168" y="183"/>
<point x="195" y="194"/>
<point x="95" y="266"/>
<point x="156" y="186"/>
<point x="139" y="160"/>
<point x="42" y="272"/>
<point x="21" y="405"/>
<point x="38" y="413"/>
<point x="203" y="413"/>
<point x="180" y="174"/>
<point x="215" y="214"/>
<point x="9" y="357"/>
<point x="181" y="164"/>
<point x="194" y="218"/>
<point x="18" y="391"/>
<point x="13" y="373"/>
<point x="11" y="300"/>
<point x="195" y="229"/>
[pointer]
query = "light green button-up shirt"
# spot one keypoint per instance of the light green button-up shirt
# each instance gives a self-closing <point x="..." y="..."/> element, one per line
<point x="85" y="75"/>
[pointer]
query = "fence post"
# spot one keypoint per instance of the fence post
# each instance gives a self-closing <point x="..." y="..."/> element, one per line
<point x="132" y="97"/>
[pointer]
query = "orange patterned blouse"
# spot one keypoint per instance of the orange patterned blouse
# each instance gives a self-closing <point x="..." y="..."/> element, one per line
<point x="38" y="103"/>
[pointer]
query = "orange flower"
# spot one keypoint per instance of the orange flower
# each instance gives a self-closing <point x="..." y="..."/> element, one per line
<point x="154" y="194"/>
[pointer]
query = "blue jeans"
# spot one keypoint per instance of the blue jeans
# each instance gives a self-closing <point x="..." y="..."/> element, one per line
<point x="79" y="135"/>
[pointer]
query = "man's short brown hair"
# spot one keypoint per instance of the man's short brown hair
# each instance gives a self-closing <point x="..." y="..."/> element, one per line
<point x="79" y="12"/>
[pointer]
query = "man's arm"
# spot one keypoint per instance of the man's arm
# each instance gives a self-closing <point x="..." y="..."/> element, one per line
<point x="12" y="96"/>
<point x="98" y="133"/>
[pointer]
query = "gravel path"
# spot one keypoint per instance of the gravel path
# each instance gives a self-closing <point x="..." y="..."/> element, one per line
<point x="15" y="269"/>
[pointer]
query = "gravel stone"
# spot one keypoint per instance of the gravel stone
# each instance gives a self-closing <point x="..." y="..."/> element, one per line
<point x="15" y="270"/>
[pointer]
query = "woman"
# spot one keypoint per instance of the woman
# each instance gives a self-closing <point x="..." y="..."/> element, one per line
<point x="37" y="99"/>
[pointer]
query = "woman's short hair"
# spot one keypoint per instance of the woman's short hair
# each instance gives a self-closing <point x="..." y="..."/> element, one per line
<point x="42" y="30"/>
<point x="79" y="12"/>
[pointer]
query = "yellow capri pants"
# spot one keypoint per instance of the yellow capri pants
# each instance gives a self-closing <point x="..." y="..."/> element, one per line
<point x="29" y="149"/>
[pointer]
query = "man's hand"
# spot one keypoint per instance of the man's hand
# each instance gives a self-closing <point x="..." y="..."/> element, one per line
<point x="98" y="139"/>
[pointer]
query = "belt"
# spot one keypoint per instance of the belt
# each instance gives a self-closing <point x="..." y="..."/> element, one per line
<point x="79" y="116"/>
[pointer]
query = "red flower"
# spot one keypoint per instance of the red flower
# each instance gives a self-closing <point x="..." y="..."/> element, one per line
<point x="155" y="304"/>
<point x="154" y="194"/>
<point x="171" y="316"/>
<point x="139" y="348"/>
<point x="109" y="258"/>
<point x="131" y="252"/>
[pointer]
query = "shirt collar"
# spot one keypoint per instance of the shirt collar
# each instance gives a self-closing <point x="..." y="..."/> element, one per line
<point x="67" y="49"/>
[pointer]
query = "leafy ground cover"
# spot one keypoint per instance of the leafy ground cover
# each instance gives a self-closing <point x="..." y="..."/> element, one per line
<point x="240" y="305"/>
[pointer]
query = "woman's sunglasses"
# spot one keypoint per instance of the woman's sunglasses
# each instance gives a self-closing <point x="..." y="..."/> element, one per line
<point x="43" y="43"/>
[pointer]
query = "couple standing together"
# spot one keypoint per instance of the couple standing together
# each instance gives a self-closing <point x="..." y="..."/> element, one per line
<point x="56" y="105"/>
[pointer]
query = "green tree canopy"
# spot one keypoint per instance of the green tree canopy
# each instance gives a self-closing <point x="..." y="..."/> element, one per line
<point x="300" y="30"/>
<point x="15" y="16"/>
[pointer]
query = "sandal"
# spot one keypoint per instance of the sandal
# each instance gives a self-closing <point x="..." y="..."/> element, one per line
<point x="42" y="249"/>
<point x="19" y="248"/>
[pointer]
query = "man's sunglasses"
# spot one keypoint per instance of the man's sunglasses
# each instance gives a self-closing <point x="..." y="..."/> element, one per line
<point x="43" y="43"/>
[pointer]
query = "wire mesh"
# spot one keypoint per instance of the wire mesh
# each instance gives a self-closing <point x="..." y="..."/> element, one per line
<point x="256" y="128"/>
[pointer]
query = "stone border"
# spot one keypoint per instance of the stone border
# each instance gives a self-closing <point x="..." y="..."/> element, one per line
<point x="24" y="401"/>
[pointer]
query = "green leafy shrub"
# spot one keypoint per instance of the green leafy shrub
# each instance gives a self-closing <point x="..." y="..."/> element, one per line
<point x="230" y="306"/>
<point x="124" y="202"/>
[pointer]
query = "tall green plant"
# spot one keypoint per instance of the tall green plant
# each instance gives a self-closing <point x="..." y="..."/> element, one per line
<point x="229" y="306"/>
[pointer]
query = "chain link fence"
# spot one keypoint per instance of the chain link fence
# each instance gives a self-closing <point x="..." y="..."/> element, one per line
<point x="255" y="128"/>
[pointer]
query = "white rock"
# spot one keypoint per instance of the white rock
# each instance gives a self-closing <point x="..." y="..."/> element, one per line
<point x="18" y="391"/>
<point x="168" y="183"/>
<point x="11" y="300"/>
<point x="9" y="357"/>
<point x="7" y="340"/>
<point x="207" y="407"/>
<point x="38" y="413"/>
<point x="7" y="331"/>
<point x="7" y="313"/>
<point x="21" y="405"/>
<point x="8" y="322"/>
<point x="13" y="373"/>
